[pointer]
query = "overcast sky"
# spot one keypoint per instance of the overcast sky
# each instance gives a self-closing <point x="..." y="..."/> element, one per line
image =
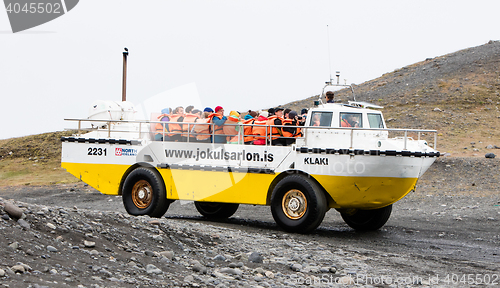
<point x="240" y="54"/>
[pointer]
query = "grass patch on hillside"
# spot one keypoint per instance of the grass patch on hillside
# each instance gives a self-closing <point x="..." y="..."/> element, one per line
<point x="33" y="160"/>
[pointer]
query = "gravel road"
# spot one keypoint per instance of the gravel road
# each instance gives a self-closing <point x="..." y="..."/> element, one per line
<point x="444" y="234"/>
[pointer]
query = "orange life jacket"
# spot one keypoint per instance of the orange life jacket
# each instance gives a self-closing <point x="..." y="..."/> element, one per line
<point x="203" y="131"/>
<point x="247" y="130"/>
<point x="275" y="131"/>
<point x="344" y="123"/>
<point x="261" y="129"/>
<point x="217" y="129"/>
<point x="288" y="122"/>
<point x="189" y="118"/>
<point x="175" y="129"/>
<point x="159" y="126"/>
<point x="298" y="133"/>
<point x="230" y="130"/>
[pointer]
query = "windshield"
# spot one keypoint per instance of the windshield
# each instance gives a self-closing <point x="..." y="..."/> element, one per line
<point x="351" y="120"/>
<point x="323" y="119"/>
<point x="375" y="121"/>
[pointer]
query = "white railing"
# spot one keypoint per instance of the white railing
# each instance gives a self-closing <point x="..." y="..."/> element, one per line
<point x="110" y="126"/>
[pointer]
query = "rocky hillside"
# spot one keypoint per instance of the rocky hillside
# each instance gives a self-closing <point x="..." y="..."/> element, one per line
<point x="457" y="94"/>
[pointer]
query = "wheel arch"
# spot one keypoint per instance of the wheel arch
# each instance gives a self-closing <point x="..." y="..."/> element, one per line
<point x="132" y="168"/>
<point x="286" y="173"/>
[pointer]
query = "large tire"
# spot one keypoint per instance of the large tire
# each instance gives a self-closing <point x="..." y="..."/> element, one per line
<point x="216" y="210"/>
<point x="298" y="204"/>
<point x="367" y="220"/>
<point x="144" y="193"/>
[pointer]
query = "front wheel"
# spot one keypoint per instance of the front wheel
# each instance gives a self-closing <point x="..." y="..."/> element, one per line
<point x="298" y="204"/>
<point x="144" y="193"/>
<point x="367" y="220"/>
<point x="215" y="209"/>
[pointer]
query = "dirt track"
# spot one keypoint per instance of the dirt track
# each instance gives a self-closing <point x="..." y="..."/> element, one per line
<point x="449" y="226"/>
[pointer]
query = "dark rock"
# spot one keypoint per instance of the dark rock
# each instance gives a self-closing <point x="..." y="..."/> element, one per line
<point x="255" y="257"/>
<point x="24" y="224"/>
<point x="490" y="155"/>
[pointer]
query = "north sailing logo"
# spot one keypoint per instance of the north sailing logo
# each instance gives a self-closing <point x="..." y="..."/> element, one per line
<point x="26" y="14"/>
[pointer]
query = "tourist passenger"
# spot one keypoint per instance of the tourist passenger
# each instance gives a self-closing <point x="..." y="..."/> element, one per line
<point x="285" y="113"/>
<point x="197" y="113"/>
<point x="251" y="115"/>
<point x="231" y="128"/>
<point x="218" y="119"/>
<point x="175" y="129"/>
<point x="249" y="119"/>
<point x="276" y="132"/>
<point x="292" y="131"/>
<point x="260" y="130"/>
<point x="162" y="129"/>
<point x="303" y="113"/>
<point x="202" y="129"/>
<point x="302" y="117"/>
<point x="349" y="120"/>
<point x="316" y="120"/>
<point x="270" y="111"/>
<point x="187" y="129"/>
<point x="179" y="110"/>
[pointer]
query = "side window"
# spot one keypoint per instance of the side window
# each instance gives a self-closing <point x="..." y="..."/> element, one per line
<point x="375" y="121"/>
<point x="351" y="120"/>
<point x="323" y="119"/>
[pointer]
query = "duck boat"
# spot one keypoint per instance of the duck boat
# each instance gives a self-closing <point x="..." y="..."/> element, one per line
<point x="359" y="171"/>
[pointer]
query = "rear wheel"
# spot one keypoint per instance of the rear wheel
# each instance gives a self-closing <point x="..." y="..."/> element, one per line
<point x="367" y="220"/>
<point x="298" y="204"/>
<point x="215" y="209"/>
<point x="144" y="193"/>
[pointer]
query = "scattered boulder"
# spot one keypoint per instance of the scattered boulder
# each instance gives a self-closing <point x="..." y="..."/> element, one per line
<point x="51" y="249"/>
<point x="18" y="269"/>
<point x="219" y="258"/>
<point x="167" y="254"/>
<point x="24" y="224"/>
<point x="11" y="209"/>
<point x="88" y="244"/>
<point x="490" y="155"/>
<point x="152" y="269"/>
<point x="200" y="269"/>
<point x="255" y="257"/>
<point x="14" y="245"/>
